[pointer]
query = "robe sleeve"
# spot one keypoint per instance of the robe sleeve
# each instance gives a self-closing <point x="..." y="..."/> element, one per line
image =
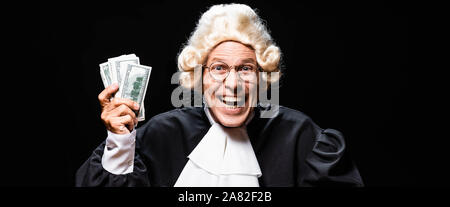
<point x="328" y="163"/>
<point x="92" y="173"/>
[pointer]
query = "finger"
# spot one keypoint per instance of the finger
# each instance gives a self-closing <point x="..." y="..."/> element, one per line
<point x="105" y="96"/>
<point x="122" y="110"/>
<point x="127" y="121"/>
<point x="122" y="101"/>
<point x="122" y="124"/>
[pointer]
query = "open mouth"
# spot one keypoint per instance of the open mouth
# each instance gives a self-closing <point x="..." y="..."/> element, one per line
<point x="231" y="101"/>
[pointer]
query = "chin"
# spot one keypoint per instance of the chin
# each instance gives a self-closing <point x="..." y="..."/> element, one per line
<point x="231" y="121"/>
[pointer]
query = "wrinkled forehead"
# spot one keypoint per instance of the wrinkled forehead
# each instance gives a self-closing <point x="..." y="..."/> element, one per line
<point x="232" y="52"/>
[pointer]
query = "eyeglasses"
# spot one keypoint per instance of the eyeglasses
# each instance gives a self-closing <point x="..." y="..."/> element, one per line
<point x="220" y="71"/>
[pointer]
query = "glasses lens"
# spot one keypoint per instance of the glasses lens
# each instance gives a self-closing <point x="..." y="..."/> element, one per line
<point x="247" y="72"/>
<point x="219" y="70"/>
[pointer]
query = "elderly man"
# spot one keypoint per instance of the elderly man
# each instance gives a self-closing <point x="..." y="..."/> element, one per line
<point x="226" y="142"/>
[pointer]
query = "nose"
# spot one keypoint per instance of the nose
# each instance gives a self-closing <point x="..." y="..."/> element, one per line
<point x="232" y="81"/>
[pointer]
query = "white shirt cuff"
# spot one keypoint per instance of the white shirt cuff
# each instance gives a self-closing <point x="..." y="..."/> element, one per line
<point x="118" y="156"/>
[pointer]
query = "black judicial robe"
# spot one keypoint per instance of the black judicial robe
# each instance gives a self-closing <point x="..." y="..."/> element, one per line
<point x="291" y="151"/>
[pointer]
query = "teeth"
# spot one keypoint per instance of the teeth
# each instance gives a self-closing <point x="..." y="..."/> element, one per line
<point x="230" y="99"/>
<point x="230" y="104"/>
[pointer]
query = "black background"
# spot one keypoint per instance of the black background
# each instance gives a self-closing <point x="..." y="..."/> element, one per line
<point x="348" y="66"/>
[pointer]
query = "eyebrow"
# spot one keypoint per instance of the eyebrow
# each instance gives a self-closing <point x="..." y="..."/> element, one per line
<point x="246" y="60"/>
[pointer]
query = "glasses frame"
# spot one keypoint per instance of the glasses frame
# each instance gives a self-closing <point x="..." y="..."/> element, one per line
<point x="258" y="69"/>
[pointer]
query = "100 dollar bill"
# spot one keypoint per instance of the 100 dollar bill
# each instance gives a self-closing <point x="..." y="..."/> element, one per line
<point x="131" y="77"/>
<point x="118" y="66"/>
<point x="105" y="73"/>
<point x="134" y="85"/>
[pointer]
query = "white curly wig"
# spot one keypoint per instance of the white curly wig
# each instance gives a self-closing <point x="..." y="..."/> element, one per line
<point x="228" y="22"/>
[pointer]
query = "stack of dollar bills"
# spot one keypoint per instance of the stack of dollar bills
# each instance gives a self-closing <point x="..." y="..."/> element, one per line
<point x="131" y="77"/>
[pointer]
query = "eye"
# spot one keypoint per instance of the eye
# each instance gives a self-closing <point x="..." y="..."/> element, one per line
<point x="246" y="68"/>
<point x="218" y="67"/>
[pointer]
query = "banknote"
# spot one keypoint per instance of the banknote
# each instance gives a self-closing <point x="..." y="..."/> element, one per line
<point x="118" y="65"/>
<point x="134" y="84"/>
<point x="131" y="77"/>
<point x="105" y="73"/>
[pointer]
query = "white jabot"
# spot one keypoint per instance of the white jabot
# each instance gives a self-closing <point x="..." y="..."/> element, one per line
<point x="223" y="158"/>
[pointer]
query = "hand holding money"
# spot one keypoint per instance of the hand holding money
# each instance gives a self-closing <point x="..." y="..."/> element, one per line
<point x="117" y="114"/>
<point x="126" y="80"/>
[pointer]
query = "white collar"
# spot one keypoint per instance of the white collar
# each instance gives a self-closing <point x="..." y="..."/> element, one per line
<point x="224" y="157"/>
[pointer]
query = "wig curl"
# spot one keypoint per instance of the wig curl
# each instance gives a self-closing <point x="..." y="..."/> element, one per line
<point x="228" y="22"/>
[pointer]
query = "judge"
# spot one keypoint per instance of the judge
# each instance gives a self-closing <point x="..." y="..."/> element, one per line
<point x="222" y="143"/>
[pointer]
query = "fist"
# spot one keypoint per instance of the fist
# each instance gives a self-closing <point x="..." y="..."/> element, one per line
<point x="118" y="114"/>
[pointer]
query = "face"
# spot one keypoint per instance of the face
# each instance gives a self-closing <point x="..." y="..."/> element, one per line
<point x="230" y="100"/>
